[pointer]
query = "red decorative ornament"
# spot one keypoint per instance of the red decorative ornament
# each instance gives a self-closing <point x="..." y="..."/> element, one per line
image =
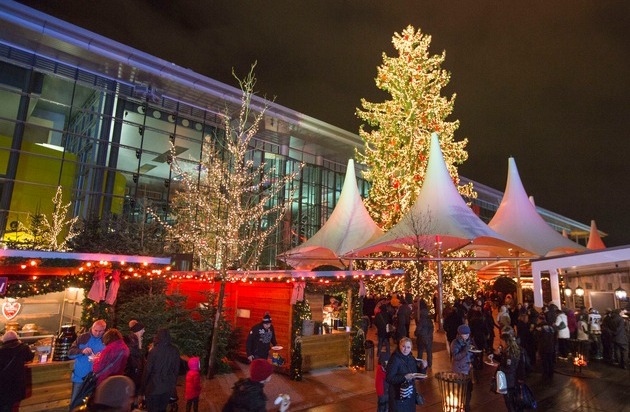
<point x="11" y="309"/>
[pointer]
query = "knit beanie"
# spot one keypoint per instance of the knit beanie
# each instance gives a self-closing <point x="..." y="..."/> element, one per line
<point x="137" y="327"/>
<point x="266" y="318"/>
<point x="260" y="370"/>
<point x="9" y="336"/>
<point x="115" y="392"/>
<point x="463" y="330"/>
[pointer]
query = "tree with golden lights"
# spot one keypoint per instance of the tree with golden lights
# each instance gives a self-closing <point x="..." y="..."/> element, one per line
<point x="397" y="133"/>
<point x="227" y="205"/>
<point x="397" y="136"/>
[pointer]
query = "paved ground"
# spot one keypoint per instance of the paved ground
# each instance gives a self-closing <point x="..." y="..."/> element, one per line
<point x="599" y="387"/>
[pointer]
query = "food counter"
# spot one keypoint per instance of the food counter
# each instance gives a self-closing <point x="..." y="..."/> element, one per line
<point x="326" y="351"/>
<point x="49" y="386"/>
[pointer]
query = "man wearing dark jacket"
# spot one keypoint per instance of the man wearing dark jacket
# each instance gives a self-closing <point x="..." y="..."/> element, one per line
<point x="618" y="337"/>
<point x="160" y="373"/>
<point x="259" y="339"/>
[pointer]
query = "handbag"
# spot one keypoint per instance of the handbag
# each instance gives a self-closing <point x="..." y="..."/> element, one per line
<point x="406" y="389"/>
<point x="526" y="397"/>
<point x="499" y="383"/>
<point x="562" y="325"/>
<point x="89" y="384"/>
<point x="86" y="389"/>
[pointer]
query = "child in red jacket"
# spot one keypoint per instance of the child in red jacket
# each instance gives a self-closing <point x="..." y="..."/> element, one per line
<point x="379" y="382"/>
<point x="193" y="384"/>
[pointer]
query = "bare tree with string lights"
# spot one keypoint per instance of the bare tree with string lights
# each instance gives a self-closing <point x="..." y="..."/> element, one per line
<point x="227" y="205"/>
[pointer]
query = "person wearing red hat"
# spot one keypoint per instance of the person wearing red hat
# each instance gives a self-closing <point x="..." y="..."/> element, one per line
<point x="248" y="394"/>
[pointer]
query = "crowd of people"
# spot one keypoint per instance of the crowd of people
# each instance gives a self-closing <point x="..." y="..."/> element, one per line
<point x="130" y="374"/>
<point x="527" y="335"/>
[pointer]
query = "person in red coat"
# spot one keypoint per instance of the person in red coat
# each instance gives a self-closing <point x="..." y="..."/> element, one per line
<point x="193" y="384"/>
<point x="113" y="359"/>
<point x="379" y="382"/>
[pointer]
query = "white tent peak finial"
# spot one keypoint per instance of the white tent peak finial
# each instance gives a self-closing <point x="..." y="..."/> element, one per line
<point x="531" y="200"/>
<point x="519" y="222"/>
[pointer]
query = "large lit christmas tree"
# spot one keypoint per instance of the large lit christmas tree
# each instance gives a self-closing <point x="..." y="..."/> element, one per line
<point x="397" y="138"/>
<point x="398" y="132"/>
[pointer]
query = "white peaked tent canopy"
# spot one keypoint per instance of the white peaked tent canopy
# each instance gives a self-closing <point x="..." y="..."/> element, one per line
<point x="594" y="240"/>
<point x="348" y="227"/>
<point x="439" y="212"/>
<point x="518" y="221"/>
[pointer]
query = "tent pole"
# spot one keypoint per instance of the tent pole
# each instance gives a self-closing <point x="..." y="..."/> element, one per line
<point x="440" y="285"/>
<point x="519" y="286"/>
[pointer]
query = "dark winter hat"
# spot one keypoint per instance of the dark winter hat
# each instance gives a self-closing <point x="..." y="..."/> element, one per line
<point x="267" y="318"/>
<point x="463" y="330"/>
<point x="383" y="358"/>
<point x="260" y="370"/>
<point x="137" y="327"/>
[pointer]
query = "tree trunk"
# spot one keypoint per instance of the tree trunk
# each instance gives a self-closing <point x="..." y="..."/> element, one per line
<point x="215" y="334"/>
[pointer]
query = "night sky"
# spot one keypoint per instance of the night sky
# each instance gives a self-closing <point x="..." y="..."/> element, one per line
<point x="547" y="82"/>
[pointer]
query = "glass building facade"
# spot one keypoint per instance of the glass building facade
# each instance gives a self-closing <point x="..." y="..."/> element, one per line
<point x="98" y="119"/>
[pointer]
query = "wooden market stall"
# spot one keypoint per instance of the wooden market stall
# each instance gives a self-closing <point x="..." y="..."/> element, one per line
<point x="327" y="335"/>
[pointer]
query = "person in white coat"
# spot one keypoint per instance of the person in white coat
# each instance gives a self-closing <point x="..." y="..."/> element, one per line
<point x="563" y="335"/>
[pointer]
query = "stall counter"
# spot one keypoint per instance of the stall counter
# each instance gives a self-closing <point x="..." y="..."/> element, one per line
<point x="325" y="351"/>
<point x="49" y="386"/>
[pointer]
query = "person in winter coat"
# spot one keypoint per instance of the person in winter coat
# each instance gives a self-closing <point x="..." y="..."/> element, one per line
<point x="402" y="369"/>
<point x="545" y="335"/>
<point x="490" y="324"/>
<point x="582" y="336"/>
<point x="260" y="339"/>
<point x="424" y="332"/>
<point x="248" y="394"/>
<point x="452" y="320"/>
<point x="403" y="319"/>
<point x="379" y="383"/>
<point x="509" y="358"/>
<point x="381" y="320"/>
<point x="136" y="361"/>
<point x="161" y="371"/>
<point x="83" y="350"/>
<point x="13" y="355"/>
<point x="503" y="317"/>
<point x="595" y="333"/>
<point x="619" y="339"/>
<point x="571" y="322"/>
<point x="193" y="384"/>
<point x="525" y="337"/>
<point x="113" y="359"/>
<point x="564" y="335"/>
<point x="461" y="358"/>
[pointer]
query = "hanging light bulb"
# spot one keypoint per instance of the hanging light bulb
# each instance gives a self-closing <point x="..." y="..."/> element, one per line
<point x="579" y="291"/>
<point x="620" y="293"/>
<point x="568" y="292"/>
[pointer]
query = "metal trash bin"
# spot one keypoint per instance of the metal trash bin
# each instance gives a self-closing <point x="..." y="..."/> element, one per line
<point x="369" y="355"/>
<point x="453" y="387"/>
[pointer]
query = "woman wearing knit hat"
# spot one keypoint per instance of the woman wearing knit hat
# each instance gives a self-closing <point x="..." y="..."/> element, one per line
<point x="248" y="394"/>
<point x="461" y="357"/>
